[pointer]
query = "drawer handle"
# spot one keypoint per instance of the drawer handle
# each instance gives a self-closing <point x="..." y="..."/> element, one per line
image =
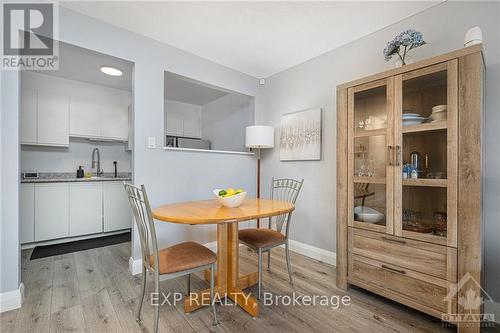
<point x="400" y="241"/>
<point x="399" y="271"/>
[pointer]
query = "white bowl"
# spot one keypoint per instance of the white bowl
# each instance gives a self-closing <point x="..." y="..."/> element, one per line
<point x="438" y="108"/>
<point x="439" y="115"/>
<point x="367" y="214"/>
<point x="232" y="201"/>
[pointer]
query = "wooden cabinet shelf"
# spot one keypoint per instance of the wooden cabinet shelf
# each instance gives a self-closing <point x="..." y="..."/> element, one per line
<point x="425" y="182"/>
<point x="374" y="132"/>
<point x="369" y="180"/>
<point x="432" y="126"/>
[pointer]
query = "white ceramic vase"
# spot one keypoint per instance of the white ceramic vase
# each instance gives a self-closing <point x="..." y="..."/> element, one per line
<point x="473" y="36"/>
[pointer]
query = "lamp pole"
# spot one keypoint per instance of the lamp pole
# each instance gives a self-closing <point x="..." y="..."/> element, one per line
<point x="258" y="180"/>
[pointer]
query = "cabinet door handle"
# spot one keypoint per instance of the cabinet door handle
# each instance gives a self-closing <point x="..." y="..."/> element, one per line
<point x="399" y="271"/>
<point x="389" y="155"/>
<point x="398" y="156"/>
<point x="400" y="241"/>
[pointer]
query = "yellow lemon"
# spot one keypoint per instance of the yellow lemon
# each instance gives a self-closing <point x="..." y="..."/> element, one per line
<point x="239" y="191"/>
<point x="230" y="192"/>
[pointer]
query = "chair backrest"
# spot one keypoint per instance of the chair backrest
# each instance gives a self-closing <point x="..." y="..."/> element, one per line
<point x="284" y="189"/>
<point x="145" y="224"/>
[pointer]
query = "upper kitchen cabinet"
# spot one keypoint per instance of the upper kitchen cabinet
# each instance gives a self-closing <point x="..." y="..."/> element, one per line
<point x="84" y="117"/>
<point x="28" y="117"/>
<point x="114" y="122"/>
<point x="44" y="118"/>
<point x="95" y="119"/>
<point x="53" y="119"/>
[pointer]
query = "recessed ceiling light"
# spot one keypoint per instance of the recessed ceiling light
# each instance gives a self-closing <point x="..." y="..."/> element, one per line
<point x="111" y="71"/>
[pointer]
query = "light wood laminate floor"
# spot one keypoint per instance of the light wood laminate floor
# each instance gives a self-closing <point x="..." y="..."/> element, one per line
<point x="93" y="291"/>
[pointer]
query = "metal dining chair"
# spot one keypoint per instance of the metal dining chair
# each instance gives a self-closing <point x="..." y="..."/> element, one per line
<point x="172" y="262"/>
<point x="263" y="240"/>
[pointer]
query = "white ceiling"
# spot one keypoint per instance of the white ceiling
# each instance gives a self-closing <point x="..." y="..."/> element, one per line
<point x="253" y="37"/>
<point x="77" y="63"/>
<point x="185" y="90"/>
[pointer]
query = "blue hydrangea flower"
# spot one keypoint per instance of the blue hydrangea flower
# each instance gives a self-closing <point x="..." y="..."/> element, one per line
<point x="406" y="40"/>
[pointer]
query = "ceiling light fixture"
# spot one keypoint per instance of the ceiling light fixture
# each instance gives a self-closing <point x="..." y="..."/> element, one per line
<point x="111" y="71"/>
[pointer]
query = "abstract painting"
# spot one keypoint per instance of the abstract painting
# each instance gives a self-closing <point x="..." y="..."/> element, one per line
<point x="300" y="136"/>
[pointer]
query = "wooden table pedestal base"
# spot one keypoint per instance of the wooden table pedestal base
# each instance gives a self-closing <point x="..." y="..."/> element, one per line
<point x="228" y="283"/>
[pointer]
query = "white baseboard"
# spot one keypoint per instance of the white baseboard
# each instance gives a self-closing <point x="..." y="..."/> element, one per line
<point x="12" y="299"/>
<point x="313" y="252"/>
<point x="329" y="257"/>
<point x="494" y="308"/>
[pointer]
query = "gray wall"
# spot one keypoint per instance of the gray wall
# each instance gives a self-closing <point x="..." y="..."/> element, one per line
<point x="168" y="175"/>
<point x="10" y="259"/>
<point x="312" y="84"/>
<point x="224" y="121"/>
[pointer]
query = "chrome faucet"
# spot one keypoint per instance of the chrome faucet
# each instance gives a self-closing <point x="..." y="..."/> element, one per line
<point x="99" y="172"/>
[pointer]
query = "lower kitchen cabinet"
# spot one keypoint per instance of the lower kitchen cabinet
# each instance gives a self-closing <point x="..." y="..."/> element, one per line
<point x="85" y="208"/>
<point x="27" y="213"/>
<point x="58" y="210"/>
<point x="116" y="207"/>
<point x="51" y="211"/>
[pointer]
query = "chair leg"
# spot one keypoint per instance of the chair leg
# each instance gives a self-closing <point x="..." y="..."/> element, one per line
<point x="189" y="285"/>
<point x="212" y="300"/>
<point x="260" y="272"/>
<point x="269" y="260"/>
<point x="157" y="309"/>
<point x="287" y="255"/>
<point x="141" y="299"/>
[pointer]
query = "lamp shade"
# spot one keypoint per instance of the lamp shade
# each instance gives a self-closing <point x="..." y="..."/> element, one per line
<point x="259" y="137"/>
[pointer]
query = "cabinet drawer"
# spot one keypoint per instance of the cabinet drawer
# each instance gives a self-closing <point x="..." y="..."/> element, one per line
<point x="436" y="260"/>
<point x="417" y="290"/>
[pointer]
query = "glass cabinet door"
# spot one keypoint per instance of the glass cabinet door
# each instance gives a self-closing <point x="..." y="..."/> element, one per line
<point x="370" y="138"/>
<point x="425" y="180"/>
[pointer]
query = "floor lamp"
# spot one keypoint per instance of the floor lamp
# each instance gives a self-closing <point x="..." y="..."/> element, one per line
<point x="257" y="137"/>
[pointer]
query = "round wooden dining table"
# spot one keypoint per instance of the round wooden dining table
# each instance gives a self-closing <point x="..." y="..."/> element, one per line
<point x="228" y="282"/>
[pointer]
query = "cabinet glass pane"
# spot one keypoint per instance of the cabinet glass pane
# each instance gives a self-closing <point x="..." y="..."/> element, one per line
<point x="370" y="203"/>
<point x="425" y="154"/>
<point x="424" y="210"/>
<point x="421" y="95"/>
<point x="370" y="109"/>
<point x="370" y="155"/>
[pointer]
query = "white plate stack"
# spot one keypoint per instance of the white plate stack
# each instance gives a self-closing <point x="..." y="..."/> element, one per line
<point x="410" y="119"/>
<point x="439" y="112"/>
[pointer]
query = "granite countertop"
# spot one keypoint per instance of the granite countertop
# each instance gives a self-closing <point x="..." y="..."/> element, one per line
<point x="61" y="177"/>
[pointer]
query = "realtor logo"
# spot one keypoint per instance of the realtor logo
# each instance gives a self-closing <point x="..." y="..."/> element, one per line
<point x="470" y="296"/>
<point x="29" y="36"/>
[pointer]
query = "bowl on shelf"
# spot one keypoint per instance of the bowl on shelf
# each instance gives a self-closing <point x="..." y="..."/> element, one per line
<point x="232" y="201"/>
<point x="411" y="118"/>
<point x="367" y="214"/>
<point x="439" y="112"/>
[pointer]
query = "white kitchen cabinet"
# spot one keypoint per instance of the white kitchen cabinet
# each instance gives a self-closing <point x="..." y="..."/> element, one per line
<point x="175" y="125"/>
<point x="192" y="128"/>
<point x="53" y="119"/>
<point x="114" y="122"/>
<point x="85" y="208"/>
<point x="84" y="117"/>
<point x="97" y="120"/>
<point x="117" y="213"/>
<point x="27" y="213"/>
<point x="28" y="117"/>
<point x="51" y="211"/>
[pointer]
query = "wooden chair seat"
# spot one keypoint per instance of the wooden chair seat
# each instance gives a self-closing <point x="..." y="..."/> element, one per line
<point x="261" y="238"/>
<point x="183" y="256"/>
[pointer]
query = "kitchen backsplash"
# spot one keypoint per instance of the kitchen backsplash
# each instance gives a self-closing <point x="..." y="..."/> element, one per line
<point x="79" y="152"/>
